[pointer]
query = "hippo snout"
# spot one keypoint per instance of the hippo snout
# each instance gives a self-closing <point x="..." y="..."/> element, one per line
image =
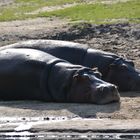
<point x="107" y="89"/>
<point x="87" y="88"/>
<point x="107" y="94"/>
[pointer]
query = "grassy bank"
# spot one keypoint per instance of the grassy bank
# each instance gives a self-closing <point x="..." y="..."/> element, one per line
<point x="19" y="8"/>
<point x="46" y="2"/>
<point x="96" y="13"/>
<point x="100" y="13"/>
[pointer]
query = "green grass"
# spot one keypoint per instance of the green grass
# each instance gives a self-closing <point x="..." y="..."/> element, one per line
<point x="96" y="13"/>
<point x="48" y="2"/>
<point x="19" y="8"/>
<point x="100" y="13"/>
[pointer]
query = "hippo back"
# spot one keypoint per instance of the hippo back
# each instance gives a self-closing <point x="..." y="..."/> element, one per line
<point x="72" y="52"/>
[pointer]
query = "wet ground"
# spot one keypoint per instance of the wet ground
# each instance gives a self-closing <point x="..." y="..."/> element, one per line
<point x="70" y="128"/>
<point x="31" y="120"/>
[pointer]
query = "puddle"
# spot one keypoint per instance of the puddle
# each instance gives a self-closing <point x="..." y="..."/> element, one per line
<point x="4" y="120"/>
<point x="26" y="135"/>
<point x="21" y="130"/>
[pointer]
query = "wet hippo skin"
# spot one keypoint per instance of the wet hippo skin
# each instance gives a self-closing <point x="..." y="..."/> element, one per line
<point x="114" y="69"/>
<point x="36" y="75"/>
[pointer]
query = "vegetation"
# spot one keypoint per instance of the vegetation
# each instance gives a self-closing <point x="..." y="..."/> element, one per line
<point x="20" y="8"/>
<point x="96" y="12"/>
<point x="100" y="13"/>
<point x="47" y="2"/>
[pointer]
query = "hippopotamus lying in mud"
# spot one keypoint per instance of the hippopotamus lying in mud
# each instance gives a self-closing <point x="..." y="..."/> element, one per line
<point x="114" y="69"/>
<point x="33" y="74"/>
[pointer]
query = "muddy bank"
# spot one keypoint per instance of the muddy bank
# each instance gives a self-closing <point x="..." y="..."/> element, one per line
<point x="122" y="39"/>
<point x="128" y="108"/>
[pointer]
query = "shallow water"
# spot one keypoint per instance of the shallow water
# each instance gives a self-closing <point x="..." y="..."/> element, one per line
<point x="26" y="135"/>
<point x="22" y="130"/>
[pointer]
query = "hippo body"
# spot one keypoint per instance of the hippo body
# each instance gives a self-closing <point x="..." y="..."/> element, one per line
<point x="83" y="55"/>
<point x="33" y="74"/>
<point x="72" y="52"/>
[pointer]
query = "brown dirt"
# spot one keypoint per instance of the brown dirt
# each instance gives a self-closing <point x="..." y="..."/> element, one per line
<point x="122" y="39"/>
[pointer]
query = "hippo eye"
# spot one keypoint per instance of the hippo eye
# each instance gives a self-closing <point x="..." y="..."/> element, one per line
<point x="123" y="67"/>
<point x="131" y="63"/>
<point x="81" y="77"/>
<point x="113" y="65"/>
<point x="98" y="75"/>
<point x="86" y="76"/>
<point x="95" y="69"/>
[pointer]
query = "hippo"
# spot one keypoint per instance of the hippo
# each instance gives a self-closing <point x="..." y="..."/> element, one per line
<point x="114" y="69"/>
<point x="29" y="74"/>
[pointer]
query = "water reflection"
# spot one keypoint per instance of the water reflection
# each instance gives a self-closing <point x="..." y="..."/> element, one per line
<point x="26" y="135"/>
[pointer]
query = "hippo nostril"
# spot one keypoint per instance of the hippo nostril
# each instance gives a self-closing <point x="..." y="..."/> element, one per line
<point x="109" y="89"/>
<point x="100" y="89"/>
<point x="105" y="89"/>
<point x="112" y="88"/>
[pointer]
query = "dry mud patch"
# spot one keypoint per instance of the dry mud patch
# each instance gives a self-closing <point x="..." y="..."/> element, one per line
<point x="122" y="39"/>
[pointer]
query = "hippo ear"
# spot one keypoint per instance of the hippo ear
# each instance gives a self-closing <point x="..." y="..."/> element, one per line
<point x="96" y="72"/>
<point x="75" y="77"/>
<point x="118" y="61"/>
<point x="124" y="67"/>
<point x="95" y="69"/>
<point x="131" y="63"/>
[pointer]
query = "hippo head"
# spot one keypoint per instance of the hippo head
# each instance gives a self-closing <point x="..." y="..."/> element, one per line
<point x="87" y="87"/>
<point x="123" y="74"/>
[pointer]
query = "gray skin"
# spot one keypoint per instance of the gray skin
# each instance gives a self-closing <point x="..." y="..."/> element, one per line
<point x="35" y="75"/>
<point x="128" y="75"/>
<point x="127" y="79"/>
